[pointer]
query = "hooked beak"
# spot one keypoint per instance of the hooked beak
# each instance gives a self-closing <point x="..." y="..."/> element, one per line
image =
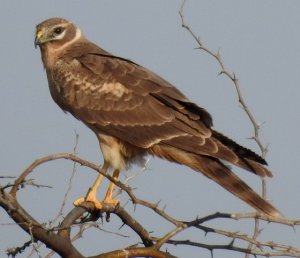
<point x="39" y="39"/>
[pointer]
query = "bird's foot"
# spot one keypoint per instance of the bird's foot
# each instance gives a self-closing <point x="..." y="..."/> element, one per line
<point x="89" y="198"/>
<point x="113" y="202"/>
<point x="109" y="200"/>
<point x="98" y="205"/>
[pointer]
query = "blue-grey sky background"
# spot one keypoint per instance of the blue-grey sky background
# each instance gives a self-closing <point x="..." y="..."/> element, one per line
<point x="258" y="40"/>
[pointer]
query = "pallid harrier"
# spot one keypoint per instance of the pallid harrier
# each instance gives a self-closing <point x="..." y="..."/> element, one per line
<point x="134" y="112"/>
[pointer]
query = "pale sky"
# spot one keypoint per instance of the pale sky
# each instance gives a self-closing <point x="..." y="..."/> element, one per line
<point x="258" y="40"/>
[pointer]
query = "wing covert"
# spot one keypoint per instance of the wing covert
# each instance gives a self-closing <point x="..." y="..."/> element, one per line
<point x="118" y="97"/>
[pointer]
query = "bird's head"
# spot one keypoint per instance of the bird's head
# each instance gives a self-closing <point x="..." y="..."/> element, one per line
<point x="55" y="32"/>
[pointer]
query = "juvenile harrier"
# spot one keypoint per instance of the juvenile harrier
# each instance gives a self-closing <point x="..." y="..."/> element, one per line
<point x="134" y="112"/>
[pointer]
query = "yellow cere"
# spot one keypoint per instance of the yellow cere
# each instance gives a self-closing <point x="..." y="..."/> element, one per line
<point x="39" y="34"/>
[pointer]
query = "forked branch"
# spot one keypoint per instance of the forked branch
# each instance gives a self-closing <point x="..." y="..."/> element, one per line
<point x="58" y="238"/>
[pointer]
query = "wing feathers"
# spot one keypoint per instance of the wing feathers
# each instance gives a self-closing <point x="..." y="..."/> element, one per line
<point x="136" y="100"/>
<point x="116" y="97"/>
<point x="214" y="148"/>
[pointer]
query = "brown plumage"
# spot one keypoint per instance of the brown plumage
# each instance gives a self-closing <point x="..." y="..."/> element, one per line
<point x="134" y="112"/>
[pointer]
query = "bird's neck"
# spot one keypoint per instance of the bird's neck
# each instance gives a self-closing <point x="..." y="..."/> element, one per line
<point x="49" y="57"/>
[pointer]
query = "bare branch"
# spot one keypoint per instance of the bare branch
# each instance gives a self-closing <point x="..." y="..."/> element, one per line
<point x="151" y="243"/>
<point x="135" y="252"/>
<point x="235" y="80"/>
<point x="14" y="251"/>
<point x="61" y="241"/>
<point x="35" y="229"/>
<point x="231" y="76"/>
<point x="60" y="212"/>
<point x="289" y="251"/>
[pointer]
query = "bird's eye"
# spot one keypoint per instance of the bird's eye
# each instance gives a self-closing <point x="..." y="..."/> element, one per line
<point x="58" y="30"/>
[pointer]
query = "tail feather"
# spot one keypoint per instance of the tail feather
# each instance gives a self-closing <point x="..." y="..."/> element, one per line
<point x="217" y="171"/>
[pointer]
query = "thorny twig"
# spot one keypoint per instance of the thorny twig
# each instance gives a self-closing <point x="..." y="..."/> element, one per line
<point x="262" y="248"/>
<point x="60" y="212"/>
<point x="70" y="179"/>
<point x="179" y="226"/>
<point x="235" y="80"/>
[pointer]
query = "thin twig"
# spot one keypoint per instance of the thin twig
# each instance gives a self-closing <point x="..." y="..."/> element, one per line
<point x="288" y="252"/>
<point x="235" y="80"/>
<point x="60" y="212"/>
<point x="64" y="229"/>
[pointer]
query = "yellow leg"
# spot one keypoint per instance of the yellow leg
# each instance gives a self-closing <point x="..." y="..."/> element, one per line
<point x="91" y="195"/>
<point x="108" y="197"/>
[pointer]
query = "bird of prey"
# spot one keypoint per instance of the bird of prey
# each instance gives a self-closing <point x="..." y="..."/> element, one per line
<point x="135" y="112"/>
